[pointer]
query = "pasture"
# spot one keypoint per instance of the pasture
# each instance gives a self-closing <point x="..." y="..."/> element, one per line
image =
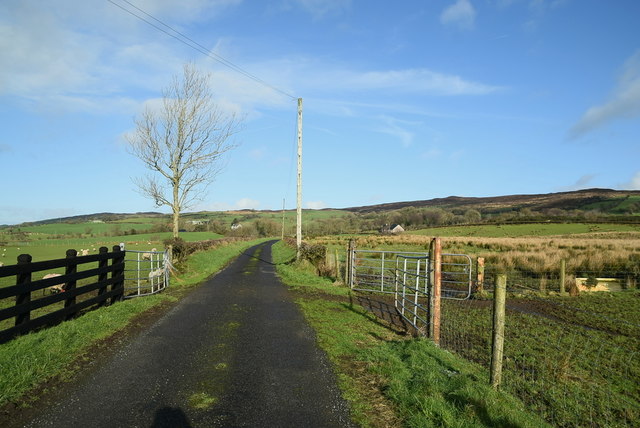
<point x="571" y="359"/>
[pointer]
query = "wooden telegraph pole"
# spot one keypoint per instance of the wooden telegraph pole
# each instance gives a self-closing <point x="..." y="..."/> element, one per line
<point x="299" y="203"/>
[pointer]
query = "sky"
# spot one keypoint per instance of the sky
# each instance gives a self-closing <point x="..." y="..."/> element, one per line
<point x="405" y="100"/>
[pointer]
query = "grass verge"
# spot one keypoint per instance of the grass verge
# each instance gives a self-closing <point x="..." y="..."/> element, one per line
<point x="389" y="379"/>
<point x="35" y="358"/>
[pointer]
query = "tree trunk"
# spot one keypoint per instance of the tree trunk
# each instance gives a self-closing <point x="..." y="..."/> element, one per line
<point x="176" y="211"/>
<point x="176" y="222"/>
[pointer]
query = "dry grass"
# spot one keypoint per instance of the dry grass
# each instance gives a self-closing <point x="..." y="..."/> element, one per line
<point x="596" y="252"/>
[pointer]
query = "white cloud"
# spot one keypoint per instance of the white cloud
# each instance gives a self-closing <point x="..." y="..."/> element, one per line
<point x="460" y="14"/>
<point x="581" y="183"/>
<point x="84" y="56"/>
<point x="624" y="102"/>
<point x="397" y="128"/>
<point x="633" y="184"/>
<point x="247" y="204"/>
<point x="419" y="80"/>
<point x="315" y="205"/>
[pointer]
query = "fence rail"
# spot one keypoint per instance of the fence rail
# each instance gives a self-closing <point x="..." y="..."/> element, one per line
<point x="106" y="285"/>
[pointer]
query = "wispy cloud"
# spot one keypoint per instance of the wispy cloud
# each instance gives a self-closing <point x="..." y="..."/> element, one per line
<point x="633" y="184"/>
<point x="461" y="14"/>
<point x="582" y="183"/>
<point x="624" y="102"/>
<point x="397" y="128"/>
<point x="417" y="80"/>
<point x="315" y="205"/>
<point x="241" y="204"/>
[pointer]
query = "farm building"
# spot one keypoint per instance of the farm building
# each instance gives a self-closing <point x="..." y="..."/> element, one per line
<point x="392" y="229"/>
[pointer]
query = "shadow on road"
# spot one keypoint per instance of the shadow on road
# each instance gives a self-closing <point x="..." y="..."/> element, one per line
<point x="170" y="417"/>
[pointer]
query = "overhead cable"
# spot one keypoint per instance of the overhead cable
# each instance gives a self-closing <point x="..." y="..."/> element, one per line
<point x="182" y="38"/>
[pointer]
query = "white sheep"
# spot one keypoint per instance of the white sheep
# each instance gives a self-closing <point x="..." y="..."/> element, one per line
<point x="85" y="252"/>
<point x="57" y="288"/>
<point x="156" y="273"/>
<point x="149" y="255"/>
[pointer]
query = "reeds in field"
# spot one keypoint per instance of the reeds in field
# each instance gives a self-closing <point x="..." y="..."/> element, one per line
<point x="597" y="252"/>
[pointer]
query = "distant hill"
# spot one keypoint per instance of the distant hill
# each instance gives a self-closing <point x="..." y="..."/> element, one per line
<point x="604" y="200"/>
<point x="91" y="217"/>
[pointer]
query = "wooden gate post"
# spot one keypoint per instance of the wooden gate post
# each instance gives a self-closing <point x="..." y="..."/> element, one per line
<point x="118" y="274"/>
<point x="434" y="297"/>
<point x="24" y="278"/>
<point x="70" y="286"/>
<point x="497" y="345"/>
<point x="479" y="275"/>
<point x="350" y="258"/>
<point x="103" y="264"/>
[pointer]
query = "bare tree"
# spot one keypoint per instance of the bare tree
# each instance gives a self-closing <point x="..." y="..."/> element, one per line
<point x="182" y="143"/>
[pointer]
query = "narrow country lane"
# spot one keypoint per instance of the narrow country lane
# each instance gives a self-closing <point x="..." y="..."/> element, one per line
<point x="236" y="352"/>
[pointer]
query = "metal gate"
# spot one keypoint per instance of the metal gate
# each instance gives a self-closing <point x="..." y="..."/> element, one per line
<point x="371" y="270"/>
<point x="147" y="272"/>
<point x="416" y="280"/>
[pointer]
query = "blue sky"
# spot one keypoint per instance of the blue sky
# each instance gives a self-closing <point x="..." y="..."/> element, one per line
<point x="404" y="100"/>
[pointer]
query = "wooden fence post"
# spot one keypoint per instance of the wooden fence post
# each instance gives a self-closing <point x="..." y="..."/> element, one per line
<point x="563" y="266"/>
<point x="497" y="346"/>
<point x="103" y="264"/>
<point x="350" y="257"/>
<point x="479" y="275"/>
<point x="434" y="298"/>
<point x="24" y="278"/>
<point x="69" y="287"/>
<point x="118" y="274"/>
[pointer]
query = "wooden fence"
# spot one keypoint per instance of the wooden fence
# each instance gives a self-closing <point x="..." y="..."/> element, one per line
<point x="107" y="278"/>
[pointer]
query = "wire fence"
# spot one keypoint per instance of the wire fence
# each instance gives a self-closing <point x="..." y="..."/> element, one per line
<point x="574" y="361"/>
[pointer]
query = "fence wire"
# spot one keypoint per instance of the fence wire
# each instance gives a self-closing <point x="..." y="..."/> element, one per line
<point x="574" y="361"/>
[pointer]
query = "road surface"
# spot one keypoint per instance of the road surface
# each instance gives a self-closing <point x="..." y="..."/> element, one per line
<point x="235" y="352"/>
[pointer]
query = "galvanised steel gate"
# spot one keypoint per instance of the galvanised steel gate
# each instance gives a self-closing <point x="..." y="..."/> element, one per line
<point x="375" y="271"/>
<point x="147" y="272"/>
<point x="416" y="280"/>
<point x="371" y="270"/>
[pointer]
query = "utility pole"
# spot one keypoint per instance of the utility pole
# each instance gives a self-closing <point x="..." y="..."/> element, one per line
<point x="299" y="202"/>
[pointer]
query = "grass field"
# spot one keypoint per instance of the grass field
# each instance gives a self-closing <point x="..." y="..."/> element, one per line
<point x="571" y="359"/>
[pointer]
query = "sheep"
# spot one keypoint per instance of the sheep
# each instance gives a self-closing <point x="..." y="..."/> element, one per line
<point x="57" y="288"/>
<point x="1" y="264"/>
<point x="85" y="252"/>
<point x="156" y="273"/>
<point x="149" y="255"/>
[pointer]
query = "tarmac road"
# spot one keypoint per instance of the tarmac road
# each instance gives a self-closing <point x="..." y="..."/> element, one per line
<point x="236" y="352"/>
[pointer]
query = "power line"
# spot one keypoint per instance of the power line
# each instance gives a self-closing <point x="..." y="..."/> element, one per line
<point x="186" y="40"/>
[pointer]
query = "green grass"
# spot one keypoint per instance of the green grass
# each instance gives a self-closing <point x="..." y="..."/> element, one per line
<point x="570" y="359"/>
<point x="516" y="230"/>
<point x="50" y="249"/>
<point x="388" y="379"/>
<point x="34" y="358"/>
